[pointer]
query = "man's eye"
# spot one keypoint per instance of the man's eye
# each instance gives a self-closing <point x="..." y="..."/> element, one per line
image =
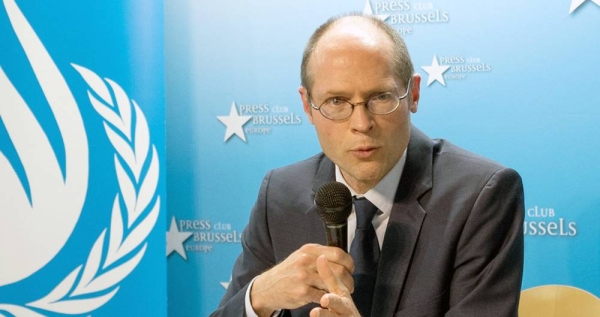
<point x="383" y="97"/>
<point x="336" y="101"/>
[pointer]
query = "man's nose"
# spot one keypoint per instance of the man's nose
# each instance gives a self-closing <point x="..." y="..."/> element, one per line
<point x="361" y="118"/>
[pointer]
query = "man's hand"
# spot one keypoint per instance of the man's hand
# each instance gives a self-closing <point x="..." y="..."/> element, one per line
<point x="339" y="301"/>
<point x="296" y="281"/>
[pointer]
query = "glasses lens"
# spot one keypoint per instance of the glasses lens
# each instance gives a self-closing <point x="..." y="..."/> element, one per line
<point x="383" y="103"/>
<point x="340" y="109"/>
<point x="336" y="109"/>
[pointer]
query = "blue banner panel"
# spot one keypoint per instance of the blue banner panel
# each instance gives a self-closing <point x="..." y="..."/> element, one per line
<point x="82" y="158"/>
<point x="515" y="81"/>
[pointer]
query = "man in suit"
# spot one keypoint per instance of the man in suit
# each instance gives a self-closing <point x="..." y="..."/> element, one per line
<point x="449" y="222"/>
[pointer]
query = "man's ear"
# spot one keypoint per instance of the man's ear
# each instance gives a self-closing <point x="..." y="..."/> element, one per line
<point x="306" y="103"/>
<point x="415" y="91"/>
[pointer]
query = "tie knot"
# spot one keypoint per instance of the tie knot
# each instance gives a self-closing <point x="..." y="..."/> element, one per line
<point x="365" y="211"/>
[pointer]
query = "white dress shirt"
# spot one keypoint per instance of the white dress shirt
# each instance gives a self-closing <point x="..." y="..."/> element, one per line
<point x="382" y="196"/>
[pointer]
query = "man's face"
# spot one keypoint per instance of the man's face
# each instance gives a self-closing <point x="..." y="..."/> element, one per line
<point x="356" y="67"/>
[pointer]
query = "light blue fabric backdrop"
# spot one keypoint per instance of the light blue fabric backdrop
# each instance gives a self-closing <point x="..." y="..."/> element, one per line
<point x="516" y="81"/>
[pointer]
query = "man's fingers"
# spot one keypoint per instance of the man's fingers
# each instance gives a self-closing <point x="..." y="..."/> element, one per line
<point x="333" y="283"/>
<point x="333" y="255"/>
<point x="338" y="256"/>
<point x="335" y="305"/>
<point x="343" y="275"/>
<point x="338" y="302"/>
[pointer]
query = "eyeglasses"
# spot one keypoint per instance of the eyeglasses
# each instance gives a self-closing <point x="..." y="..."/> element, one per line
<point x="338" y="109"/>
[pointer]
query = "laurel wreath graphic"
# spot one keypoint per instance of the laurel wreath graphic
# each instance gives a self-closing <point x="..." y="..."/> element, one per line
<point x="94" y="283"/>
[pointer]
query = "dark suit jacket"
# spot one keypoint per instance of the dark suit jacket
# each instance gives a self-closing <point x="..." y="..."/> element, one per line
<point x="453" y="245"/>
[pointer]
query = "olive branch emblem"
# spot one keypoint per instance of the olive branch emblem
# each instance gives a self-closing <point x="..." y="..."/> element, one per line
<point x="119" y="248"/>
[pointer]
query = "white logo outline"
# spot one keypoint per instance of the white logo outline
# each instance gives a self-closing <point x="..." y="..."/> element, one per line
<point x="577" y="3"/>
<point x="127" y="130"/>
<point x="368" y="10"/>
<point x="234" y="123"/>
<point x="56" y="197"/>
<point x="435" y="72"/>
<point x="176" y="238"/>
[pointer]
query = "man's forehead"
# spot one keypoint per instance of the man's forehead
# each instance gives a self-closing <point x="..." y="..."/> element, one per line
<point x="353" y="32"/>
<point x="353" y="28"/>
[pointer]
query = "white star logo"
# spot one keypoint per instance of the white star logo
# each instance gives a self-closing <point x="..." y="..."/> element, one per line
<point x="234" y="123"/>
<point x="577" y="3"/>
<point x="175" y="239"/>
<point x="226" y="284"/>
<point x="368" y="10"/>
<point x="435" y="72"/>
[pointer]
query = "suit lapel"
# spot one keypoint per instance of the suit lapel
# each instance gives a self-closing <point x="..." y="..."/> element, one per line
<point x="404" y="225"/>
<point x="325" y="173"/>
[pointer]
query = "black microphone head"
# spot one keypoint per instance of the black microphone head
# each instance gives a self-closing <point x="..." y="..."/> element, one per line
<point x="334" y="202"/>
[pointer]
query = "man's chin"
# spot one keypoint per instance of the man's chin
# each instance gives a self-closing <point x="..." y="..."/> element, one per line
<point x="363" y="173"/>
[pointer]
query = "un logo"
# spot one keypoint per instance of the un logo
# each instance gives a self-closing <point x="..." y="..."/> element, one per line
<point x="48" y="197"/>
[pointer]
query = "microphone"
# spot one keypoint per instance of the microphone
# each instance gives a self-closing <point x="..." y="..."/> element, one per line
<point x="334" y="204"/>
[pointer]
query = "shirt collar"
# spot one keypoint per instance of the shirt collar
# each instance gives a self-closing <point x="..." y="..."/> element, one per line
<point x="382" y="195"/>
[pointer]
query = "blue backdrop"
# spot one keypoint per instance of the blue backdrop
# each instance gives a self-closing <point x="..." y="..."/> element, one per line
<point x="82" y="157"/>
<point x="516" y="81"/>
